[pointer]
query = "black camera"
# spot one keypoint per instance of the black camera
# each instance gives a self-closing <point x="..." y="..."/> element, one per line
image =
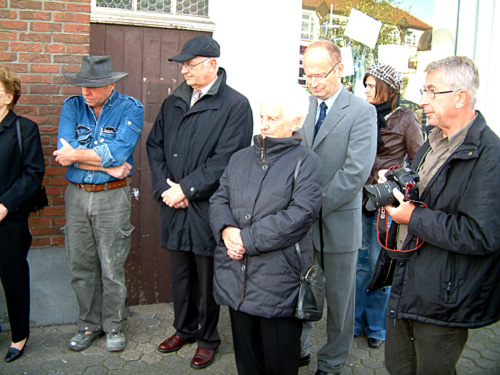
<point x="403" y="179"/>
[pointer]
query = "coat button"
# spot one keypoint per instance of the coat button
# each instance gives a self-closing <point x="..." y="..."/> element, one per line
<point x="129" y="122"/>
<point x="96" y="143"/>
<point x="243" y="267"/>
<point x="247" y="216"/>
<point x="392" y="312"/>
<point x="402" y="264"/>
<point x="264" y="167"/>
<point x="101" y="140"/>
<point x="192" y="189"/>
<point x="175" y="155"/>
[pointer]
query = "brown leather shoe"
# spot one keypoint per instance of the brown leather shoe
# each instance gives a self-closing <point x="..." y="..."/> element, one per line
<point x="173" y="343"/>
<point x="203" y="358"/>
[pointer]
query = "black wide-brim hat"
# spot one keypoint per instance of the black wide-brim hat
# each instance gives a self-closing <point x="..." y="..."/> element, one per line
<point x="201" y="45"/>
<point x="96" y="71"/>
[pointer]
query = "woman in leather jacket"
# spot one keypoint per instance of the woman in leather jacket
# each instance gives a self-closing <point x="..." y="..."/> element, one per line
<point x="399" y="136"/>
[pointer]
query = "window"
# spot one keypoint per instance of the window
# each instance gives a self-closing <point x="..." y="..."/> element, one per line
<point x="307" y="27"/>
<point x="410" y="38"/>
<point x="187" y="7"/>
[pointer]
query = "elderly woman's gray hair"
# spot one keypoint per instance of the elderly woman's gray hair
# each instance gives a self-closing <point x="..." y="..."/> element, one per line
<point x="293" y="100"/>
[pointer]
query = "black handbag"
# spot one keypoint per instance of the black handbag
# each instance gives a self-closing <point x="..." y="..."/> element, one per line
<point x="39" y="199"/>
<point x="311" y="299"/>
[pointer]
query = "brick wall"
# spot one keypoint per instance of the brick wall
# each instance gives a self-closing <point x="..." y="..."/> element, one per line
<point x="40" y="40"/>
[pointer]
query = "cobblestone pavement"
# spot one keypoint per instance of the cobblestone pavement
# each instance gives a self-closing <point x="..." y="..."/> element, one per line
<point x="148" y="326"/>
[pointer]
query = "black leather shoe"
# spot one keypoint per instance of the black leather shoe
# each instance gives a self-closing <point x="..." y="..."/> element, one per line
<point x="14" y="354"/>
<point x="374" y="343"/>
<point x="321" y="372"/>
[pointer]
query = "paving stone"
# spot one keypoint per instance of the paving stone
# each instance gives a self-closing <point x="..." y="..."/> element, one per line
<point x="147" y="326"/>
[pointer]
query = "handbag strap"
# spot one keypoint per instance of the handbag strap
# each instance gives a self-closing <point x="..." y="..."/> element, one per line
<point x="295" y="175"/>
<point x="19" y="136"/>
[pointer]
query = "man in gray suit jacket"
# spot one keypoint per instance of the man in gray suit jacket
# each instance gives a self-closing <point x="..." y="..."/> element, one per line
<point x="341" y="129"/>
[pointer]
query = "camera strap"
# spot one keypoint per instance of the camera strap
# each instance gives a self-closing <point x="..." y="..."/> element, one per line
<point x="383" y="229"/>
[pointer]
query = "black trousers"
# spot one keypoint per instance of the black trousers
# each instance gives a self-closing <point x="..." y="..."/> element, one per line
<point x="15" y="241"/>
<point x="416" y="348"/>
<point x="265" y="346"/>
<point x="196" y="313"/>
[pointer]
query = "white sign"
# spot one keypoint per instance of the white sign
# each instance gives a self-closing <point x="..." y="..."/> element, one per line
<point x="347" y="60"/>
<point x="363" y="28"/>
<point x="415" y="83"/>
<point x="394" y="55"/>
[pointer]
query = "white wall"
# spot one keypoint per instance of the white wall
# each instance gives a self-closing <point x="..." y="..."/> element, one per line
<point x="259" y="44"/>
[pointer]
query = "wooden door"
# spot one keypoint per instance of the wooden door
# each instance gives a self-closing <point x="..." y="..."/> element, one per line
<point x="143" y="53"/>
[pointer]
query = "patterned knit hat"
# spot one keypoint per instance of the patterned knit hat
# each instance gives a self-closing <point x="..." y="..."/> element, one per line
<point x="387" y="74"/>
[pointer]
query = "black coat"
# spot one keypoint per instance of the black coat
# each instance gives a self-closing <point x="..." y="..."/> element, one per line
<point x="258" y="194"/>
<point x="454" y="278"/>
<point x="19" y="179"/>
<point x="192" y="146"/>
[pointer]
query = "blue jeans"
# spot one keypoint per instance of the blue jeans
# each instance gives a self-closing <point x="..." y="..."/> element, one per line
<point x="370" y="306"/>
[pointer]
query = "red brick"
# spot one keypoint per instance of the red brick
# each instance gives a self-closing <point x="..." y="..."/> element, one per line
<point x="4" y="46"/>
<point x="54" y="191"/>
<point x="38" y="221"/>
<point x="3" y="3"/>
<point x="44" y="68"/>
<point x="26" y="4"/>
<point x="40" y="120"/>
<point x="34" y="58"/>
<point x="8" y="35"/>
<point x="50" y="110"/>
<point x="47" y="151"/>
<point x="44" y="231"/>
<point x="44" y="89"/>
<point x="58" y="221"/>
<point x="59" y="181"/>
<point x="58" y="201"/>
<point x="8" y="14"/>
<point x="18" y="68"/>
<point x="71" y="38"/>
<point x="55" y="48"/>
<point x="71" y="90"/>
<point x="40" y="16"/>
<point x="57" y="240"/>
<point x="75" y="48"/>
<point x="50" y="129"/>
<point x="34" y="78"/>
<point x="76" y="28"/>
<point x="84" y="8"/>
<point x="54" y="211"/>
<point x="25" y="47"/>
<point x="35" y="99"/>
<point x="41" y="242"/>
<point x="71" y="17"/>
<point x="52" y="5"/>
<point x="45" y="26"/>
<point x="26" y="110"/>
<point x="58" y="100"/>
<point x="7" y="56"/>
<point x="35" y="37"/>
<point x="69" y="59"/>
<point x="13" y="25"/>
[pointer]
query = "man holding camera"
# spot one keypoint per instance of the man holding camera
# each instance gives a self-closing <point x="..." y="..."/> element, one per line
<point x="452" y="281"/>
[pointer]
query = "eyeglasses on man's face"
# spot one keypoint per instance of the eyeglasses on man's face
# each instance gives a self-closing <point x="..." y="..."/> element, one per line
<point x="432" y="94"/>
<point x="319" y="76"/>
<point x="191" y="66"/>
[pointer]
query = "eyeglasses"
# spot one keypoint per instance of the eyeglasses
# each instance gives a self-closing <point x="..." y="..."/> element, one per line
<point x="320" y="76"/>
<point x="432" y="94"/>
<point x="191" y="66"/>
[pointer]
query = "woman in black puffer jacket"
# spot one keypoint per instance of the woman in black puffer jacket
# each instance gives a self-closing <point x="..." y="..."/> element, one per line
<point x="257" y="215"/>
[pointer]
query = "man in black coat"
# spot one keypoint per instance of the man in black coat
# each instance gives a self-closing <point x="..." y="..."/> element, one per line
<point x="452" y="282"/>
<point x="197" y="130"/>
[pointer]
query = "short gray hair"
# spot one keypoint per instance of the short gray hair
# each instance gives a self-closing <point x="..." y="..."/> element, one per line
<point x="292" y="99"/>
<point x="460" y="73"/>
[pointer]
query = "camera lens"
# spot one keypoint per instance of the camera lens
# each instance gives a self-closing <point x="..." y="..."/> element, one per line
<point x="380" y="195"/>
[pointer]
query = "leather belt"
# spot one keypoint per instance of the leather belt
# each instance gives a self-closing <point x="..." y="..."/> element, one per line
<point x="92" y="188"/>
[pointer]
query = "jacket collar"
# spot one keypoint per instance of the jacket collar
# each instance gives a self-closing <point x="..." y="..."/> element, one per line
<point x="185" y="92"/>
<point x="269" y="149"/>
<point x="8" y="120"/>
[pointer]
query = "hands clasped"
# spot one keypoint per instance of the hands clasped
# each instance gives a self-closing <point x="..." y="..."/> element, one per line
<point x="234" y="243"/>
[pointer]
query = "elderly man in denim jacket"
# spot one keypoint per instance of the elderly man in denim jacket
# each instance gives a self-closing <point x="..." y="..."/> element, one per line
<point x="98" y="131"/>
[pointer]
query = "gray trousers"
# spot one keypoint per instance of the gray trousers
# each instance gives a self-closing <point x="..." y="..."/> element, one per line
<point x="416" y="348"/>
<point x="97" y="238"/>
<point x="340" y="274"/>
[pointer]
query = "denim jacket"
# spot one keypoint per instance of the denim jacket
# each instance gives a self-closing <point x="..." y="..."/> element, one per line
<point x="112" y="136"/>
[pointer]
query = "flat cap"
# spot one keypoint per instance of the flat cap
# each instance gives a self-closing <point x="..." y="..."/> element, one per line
<point x="201" y="45"/>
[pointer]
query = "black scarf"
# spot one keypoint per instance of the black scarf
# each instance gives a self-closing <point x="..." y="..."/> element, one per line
<point x="383" y="109"/>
